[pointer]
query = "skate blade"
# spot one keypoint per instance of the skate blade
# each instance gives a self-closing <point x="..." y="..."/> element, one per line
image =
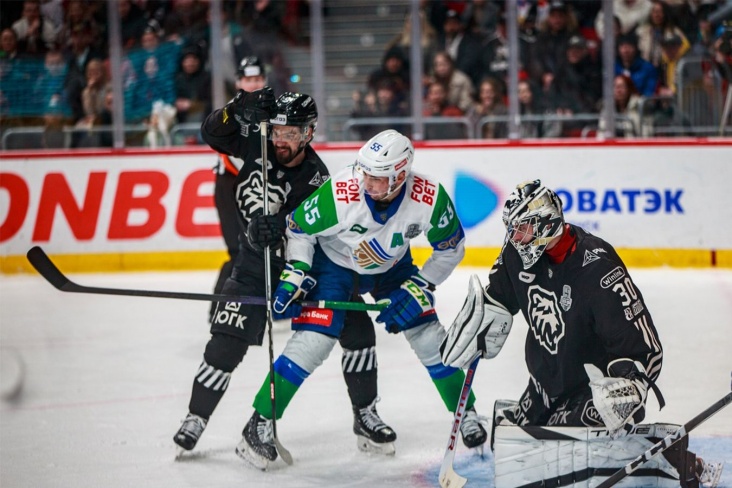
<point x="252" y="458"/>
<point x="368" y="446"/>
<point x="711" y="474"/>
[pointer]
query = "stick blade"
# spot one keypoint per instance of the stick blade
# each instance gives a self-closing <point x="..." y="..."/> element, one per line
<point x="43" y="264"/>
<point x="450" y="479"/>
<point x="284" y="453"/>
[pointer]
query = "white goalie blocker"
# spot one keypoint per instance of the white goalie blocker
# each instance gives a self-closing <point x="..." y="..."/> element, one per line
<point x="579" y="457"/>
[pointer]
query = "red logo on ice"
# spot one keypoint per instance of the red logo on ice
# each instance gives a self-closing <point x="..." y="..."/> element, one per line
<point x="315" y="316"/>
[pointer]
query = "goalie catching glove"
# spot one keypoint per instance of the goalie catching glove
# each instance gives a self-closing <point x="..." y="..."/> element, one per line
<point x="480" y="329"/>
<point x="406" y="304"/>
<point x="621" y="395"/>
<point x="294" y="284"/>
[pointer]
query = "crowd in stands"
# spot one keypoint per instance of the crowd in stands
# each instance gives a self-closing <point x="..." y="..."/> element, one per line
<point x="55" y="67"/>
<point x="560" y="63"/>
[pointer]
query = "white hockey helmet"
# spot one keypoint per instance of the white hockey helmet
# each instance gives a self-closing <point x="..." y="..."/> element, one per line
<point x="533" y="217"/>
<point x="387" y="154"/>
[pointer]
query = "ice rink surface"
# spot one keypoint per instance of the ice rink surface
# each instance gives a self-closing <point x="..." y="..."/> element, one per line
<point x="106" y="381"/>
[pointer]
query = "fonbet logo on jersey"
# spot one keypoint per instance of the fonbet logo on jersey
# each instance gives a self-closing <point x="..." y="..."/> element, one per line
<point x="475" y="199"/>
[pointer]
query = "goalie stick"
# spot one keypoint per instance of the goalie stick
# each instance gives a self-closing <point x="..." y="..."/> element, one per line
<point x="43" y="264"/>
<point x="666" y="442"/>
<point x="448" y="477"/>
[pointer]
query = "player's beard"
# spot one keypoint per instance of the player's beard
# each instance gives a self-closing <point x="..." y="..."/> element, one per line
<point x="284" y="155"/>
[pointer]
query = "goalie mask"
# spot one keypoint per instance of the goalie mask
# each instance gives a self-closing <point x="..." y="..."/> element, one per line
<point x="387" y="154"/>
<point x="533" y="217"/>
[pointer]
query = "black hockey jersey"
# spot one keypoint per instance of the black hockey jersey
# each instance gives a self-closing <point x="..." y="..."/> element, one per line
<point x="287" y="187"/>
<point x="586" y="309"/>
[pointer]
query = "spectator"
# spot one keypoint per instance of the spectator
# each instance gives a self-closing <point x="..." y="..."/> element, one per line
<point x="551" y="42"/>
<point x="380" y="103"/>
<point x="92" y="101"/>
<point x="192" y="88"/>
<point x="436" y="104"/>
<point x="263" y="21"/>
<point x="106" y="117"/>
<point x="394" y="70"/>
<point x="75" y="14"/>
<point x="658" y="26"/>
<point x="154" y="67"/>
<point x="429" y="41"/>
<point x="48" y="92"/>
<point x="628" y="103"/>
<point x="36" y="34"/>
<point x="528" y="105"/>
<point x="490" y="103"/>
<point x="186" y="21"/>
<point x="630" y="14"/>
<point x="722" y="53"/>
<point x="463" y="46"/>
<point x="481" y="17"/>
<point x="630" y="63"/>
<point x="79" y="54"/>
<point x="580" y="77"/>
<point x="132" y="23"/>
<point x="8" y="46"/>
<point x="496" y="49"/>
<point x="460" y="89"/>
<point x="672" y="50"/>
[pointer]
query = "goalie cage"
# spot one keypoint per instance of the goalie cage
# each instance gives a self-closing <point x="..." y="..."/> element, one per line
<point x="533" y="457"/>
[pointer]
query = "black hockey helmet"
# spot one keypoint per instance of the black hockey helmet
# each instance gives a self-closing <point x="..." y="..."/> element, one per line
<point x="296" y="109"/>
<point x="250" y="66"/>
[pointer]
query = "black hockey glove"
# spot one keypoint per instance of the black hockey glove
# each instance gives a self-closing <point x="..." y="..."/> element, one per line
<point x="265" y="231"/>
<point x="253" y="107"/>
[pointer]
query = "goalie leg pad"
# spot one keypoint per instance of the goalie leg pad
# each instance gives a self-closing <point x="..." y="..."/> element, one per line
<point x="579" y="456"/>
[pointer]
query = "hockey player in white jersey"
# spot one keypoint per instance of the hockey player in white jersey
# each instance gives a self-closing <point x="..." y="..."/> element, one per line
<point x="352" y="236"/>
<point x="592" y="352"/>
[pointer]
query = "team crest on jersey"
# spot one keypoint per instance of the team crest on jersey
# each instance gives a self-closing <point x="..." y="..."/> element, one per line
<point x="370" y="255"/>
<point x="413" y="231"/>
<point x="589" y="257"/>
<point x="547" y="323"/>
<point x="566" y="300"/>
<point x="249" y="195"/>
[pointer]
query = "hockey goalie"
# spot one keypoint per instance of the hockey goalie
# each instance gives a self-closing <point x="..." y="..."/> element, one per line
<point x="592" y="352"/>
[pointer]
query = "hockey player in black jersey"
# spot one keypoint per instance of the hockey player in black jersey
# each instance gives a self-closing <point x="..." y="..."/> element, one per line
<point x="294" y="171"/>
<point x="592" y="350"/>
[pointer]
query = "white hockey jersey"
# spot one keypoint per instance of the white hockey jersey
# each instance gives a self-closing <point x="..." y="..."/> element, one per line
<point x="356" y="235"/>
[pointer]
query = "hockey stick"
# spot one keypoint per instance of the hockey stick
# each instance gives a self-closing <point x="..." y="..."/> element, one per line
<point x="666" y="442"/>
<point x="284" y="453"/>
<point x="43" y="264"/>
<point x="448" y="477"/>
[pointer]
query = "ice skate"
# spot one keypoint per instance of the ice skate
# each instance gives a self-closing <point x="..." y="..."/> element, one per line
<point x="372" y="434"/>
<point x="189" y="433"/>
<point x="708" y="473"/>
<point x="472" y="430"/>
<point x="257" y="444"/>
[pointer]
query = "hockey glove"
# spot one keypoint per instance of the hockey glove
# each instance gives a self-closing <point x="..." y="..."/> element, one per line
<point x="408" y="302"/>
<point x="619" y="396"/>
<point x="294" y="284"/>
<point x="264" y="231"/>
<point x="253" y="107"/>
